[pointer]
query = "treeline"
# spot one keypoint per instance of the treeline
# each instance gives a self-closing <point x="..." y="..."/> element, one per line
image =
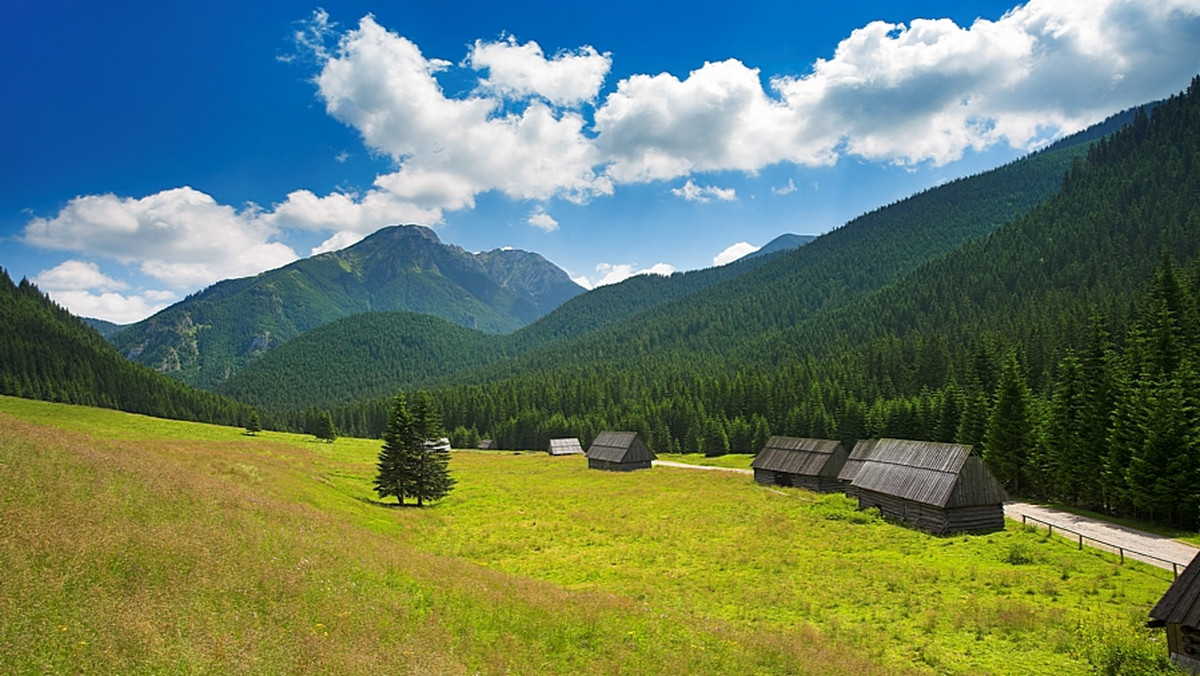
<point x="46" y="353"/>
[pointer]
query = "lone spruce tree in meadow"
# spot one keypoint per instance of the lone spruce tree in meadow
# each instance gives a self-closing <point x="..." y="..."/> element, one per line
<point x="410" y="463"/>
<point x="394" y="477"/>
<point x="253" y="424"/>
<point x="324" y="430"/>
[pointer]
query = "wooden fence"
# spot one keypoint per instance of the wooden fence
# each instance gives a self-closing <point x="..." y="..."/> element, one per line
<point x="1119" y="550"/>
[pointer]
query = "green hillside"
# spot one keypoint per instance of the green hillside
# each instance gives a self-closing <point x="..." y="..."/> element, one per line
<point x="137" y="545"/>
<point x="209" y="336"/>
<point x="46" y="353"/>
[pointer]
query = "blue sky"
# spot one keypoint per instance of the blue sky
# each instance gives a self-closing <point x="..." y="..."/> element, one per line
<point x="152" y="149"/>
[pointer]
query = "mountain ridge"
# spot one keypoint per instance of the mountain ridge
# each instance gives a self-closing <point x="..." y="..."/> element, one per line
<point x="215" y="332"/>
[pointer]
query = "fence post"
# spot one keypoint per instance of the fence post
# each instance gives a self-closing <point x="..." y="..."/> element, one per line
<point x="1122" y="552"/>
<point x="1081" y="542"/>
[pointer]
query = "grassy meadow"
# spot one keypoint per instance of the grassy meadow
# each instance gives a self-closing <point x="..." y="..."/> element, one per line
<point x="135" y="545"/>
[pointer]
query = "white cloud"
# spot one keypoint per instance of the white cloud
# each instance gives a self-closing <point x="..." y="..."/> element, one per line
<point x="181" y="236"/>
<point x="540" y="219"/>
<point x="522" y="71"/>
<point x="906" y="94"/>
<point x="786" y="189"/>
<point x="339" y="241"/>
<point x="697" y="193"/>
<point x="83" y="289"/>
<point x="611" y="273"/>
<point x="382" y="85"/>
<point x="110" y="306"/>
<point x="76" y="275"/>
<point x="734" y="252"/>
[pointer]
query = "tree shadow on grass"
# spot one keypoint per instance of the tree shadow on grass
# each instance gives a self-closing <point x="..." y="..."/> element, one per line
<point x="389" y="505"/>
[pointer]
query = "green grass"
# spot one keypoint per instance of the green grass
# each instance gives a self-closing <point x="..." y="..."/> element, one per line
<point x="134" y="545"/>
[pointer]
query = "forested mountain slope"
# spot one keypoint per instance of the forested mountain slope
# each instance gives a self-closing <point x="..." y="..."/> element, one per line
<point x="207" y="337"/>
<point x="372" y="354"/>
<point x="46" y="353"/>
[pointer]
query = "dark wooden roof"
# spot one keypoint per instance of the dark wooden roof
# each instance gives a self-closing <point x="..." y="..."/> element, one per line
<point x="805" y="457"/>
<point x="1180" y="604"/>
<point x="862" y="451"/>
<point x="942" y="475"/>
<point x="566" y="446"/>
<point x="619" y="447"/>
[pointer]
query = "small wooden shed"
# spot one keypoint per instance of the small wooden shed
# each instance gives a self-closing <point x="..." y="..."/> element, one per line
<point x="938" y="488"/>
<point x="858" y="455"/>
<point x="566" y="446"/>
<point x="1179" y="611"/>
<point x="805" y="463"/>
<point x="487" y="445"/>
<point x="619" y="452"/>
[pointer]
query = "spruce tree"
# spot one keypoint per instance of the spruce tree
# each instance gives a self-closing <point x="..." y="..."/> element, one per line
<point x="399" y="441"/>
<point x="253" y="424"/>
<point x="1010" y="431"/>
<point x="428" y="463"/>
<point x="325" y="430"/>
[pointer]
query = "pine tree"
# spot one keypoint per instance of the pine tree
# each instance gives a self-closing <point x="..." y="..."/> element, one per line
<point x="1010" y="430"/>
<point x="399" y="442"/>
<point x="429" y="463"/>
<point x="325" y="430"/>
<point x="253" y="424"/>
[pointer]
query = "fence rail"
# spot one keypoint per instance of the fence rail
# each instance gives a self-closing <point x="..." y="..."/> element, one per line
<point x="1120" y="550"/>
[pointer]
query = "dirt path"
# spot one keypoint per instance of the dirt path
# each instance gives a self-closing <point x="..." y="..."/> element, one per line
<point x="1153" y="549"/>
<point x="684" y="465"/>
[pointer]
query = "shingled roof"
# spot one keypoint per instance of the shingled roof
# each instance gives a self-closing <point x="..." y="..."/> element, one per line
<point x="796" y="455"/>
<point x="1180" y="604"/>
<point x="938" y="474"/>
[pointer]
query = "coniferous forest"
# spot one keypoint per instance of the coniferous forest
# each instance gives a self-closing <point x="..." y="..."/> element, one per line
<point x="46" y="353"/>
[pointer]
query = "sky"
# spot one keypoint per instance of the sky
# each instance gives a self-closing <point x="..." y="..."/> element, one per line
<point x="151" y="149"/>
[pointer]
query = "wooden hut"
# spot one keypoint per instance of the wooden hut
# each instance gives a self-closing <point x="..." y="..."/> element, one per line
<point x="487" y="445"/>
<point x="938" y="488"/>
<point x="619" y="452"/>
<point x="859" y="454"/>
<point x="567" y="446"/>
<point x="1179" y="611"/>
<point x="805" y="463"/>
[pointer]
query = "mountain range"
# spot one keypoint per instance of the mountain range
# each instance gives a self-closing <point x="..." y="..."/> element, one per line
<point x="205" y="338"/>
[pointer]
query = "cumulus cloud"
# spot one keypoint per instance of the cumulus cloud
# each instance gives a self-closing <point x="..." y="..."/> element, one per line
<point x="83" y="289"/>
<point x="923" y="92"/>
<point x="381" y="84"/>
<point x="339" y="241"/>
<point x="540" y="219"/>
<point x="75" y="275"/>
<point x="734" y="252"/>
<point x="611" y="273"/>
<point x="181" y="237"/>
<point x="521" y="71"/>
<point x="706" y="193"/>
